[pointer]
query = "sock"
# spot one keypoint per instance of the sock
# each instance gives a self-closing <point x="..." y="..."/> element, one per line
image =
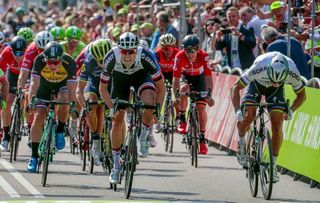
<point x="60" y="127"/>
<point x="95" y="136"/>
<point x="6" y="133"/>
<point x="241" y="140"/>
<point x="29" y="125"/>
<point x="275" y="160"/>
<point x="144" y="132"/>
<point x="116" y="158"/>
<point x="182" y="116"/>
<point x="34" y="147"/>
<point x="202" y="137"/>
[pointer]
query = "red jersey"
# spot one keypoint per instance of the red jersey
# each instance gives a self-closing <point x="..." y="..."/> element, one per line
<point x="166" y="65"/>
<point x="183" y="66"/>
<point x="79" y="61"/>
<point x="31" y="53"/>
<point x="7" y="61"/>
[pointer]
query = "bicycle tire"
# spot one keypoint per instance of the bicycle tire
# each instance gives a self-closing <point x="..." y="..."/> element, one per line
<point x="266" y="164"/>
<point x="13" y="133"/>
<point x="166" y="129"/>
<point x="171" y="127"/>
<point x="47" y="153"/>
<point x="131" y="157"/>
<point x="16" y="148"/>
<point x="194" y="138"/>
<point x="252" y="165"/>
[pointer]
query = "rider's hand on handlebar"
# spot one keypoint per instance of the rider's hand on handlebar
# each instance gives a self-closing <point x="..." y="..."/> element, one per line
<point x="288" y="116"/>
<point x="210" y="101"/>
<point x="239" y="115"/>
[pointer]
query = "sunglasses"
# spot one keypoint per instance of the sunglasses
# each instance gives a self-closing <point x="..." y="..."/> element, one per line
<point x="191" y="50"/>
<point x="128" y="51"/>
<point x="212" y="24"/>
<point x="72" y="40"/>
<point x="53" y="62"/>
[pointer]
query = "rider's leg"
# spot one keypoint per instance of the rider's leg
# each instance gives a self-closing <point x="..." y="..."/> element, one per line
<point x="6" y="116"/>
<point x="182" y="128"/>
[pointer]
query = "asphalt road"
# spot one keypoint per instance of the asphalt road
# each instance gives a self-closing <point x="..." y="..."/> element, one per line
<point x="160" y="177"/>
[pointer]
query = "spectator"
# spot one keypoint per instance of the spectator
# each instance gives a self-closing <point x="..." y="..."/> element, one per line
<point x="210" y="27"/>
<point x="164" y="27"/>
<point x="237" y="40"/>
<point x="276" y="42"/>
<point x="316" y="46"/>
<point x="146" y="32"/>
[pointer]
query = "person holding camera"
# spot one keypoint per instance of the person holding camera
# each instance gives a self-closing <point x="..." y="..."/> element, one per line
<point x="238" y="41"/>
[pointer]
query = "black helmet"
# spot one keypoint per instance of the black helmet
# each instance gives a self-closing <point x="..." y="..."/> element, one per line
<point x="190" y="41"/>
<point x="53" y="51"/>
<point x="18" y="46"/>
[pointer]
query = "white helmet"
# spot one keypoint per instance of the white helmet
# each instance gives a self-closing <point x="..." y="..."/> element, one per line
<point x="2" y="38"/>
<point x="144" y="43"/>
<point x="128" y="40"/>
<point x="278" y="69"/>
<point x="43" y="38"/>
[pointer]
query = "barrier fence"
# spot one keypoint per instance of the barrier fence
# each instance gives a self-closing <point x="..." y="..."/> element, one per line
<point x="300" y="151"/>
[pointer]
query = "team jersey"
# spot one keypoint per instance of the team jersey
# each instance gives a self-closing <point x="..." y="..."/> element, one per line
<point x="166" y="65"/>
<point x="78" y="50"/>
<point x="2" y="75"/>
<point x="81" y="58"/>
<point x="144" y="61"/>
<point x="258" y="72"/>
<point x="7" y="61"/>
<point x="65" y="73"/>
<point x="182" y="65"/>
<point x="90" y="71"/>
<point x="31" y="53"/>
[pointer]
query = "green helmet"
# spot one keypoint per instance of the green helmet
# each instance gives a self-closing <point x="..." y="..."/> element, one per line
<point x="26" y="33"/>
<point x="58" y="33"/>
<point x="100" y="48"/>
<point x="73" y="32"/>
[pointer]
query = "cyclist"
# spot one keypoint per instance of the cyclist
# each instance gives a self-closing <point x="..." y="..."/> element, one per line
<point x="10" y="62"/>
<point x="53" y="73"/>
<point x="26" y="33"/>
<point x="58" y="33"/>
<point x="88" y="89"/>
<point x="3" y="42"/>
<point x="35" y="48"/>
<point x="129" y="64"/>
<point x="4" y="94"/>
<point x="267" y="77"/>
<point x="73" y="45"/>
<point x="191" y="68"/>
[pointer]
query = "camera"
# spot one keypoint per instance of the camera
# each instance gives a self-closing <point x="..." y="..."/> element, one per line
<point x="225" y="31"/>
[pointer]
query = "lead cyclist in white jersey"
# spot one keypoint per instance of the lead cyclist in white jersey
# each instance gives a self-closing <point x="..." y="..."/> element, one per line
<point x="267" y="77"/>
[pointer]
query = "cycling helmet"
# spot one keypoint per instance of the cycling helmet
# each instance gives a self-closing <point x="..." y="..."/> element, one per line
<point x="167" y="40"/>
<point x="58" y="33"/>
<point x="128" y="40"/>
<point x="100" y="48"/>
<point x="73" y="32"/>
<point x="43" y="38"/>
<point x="18" y="45"/>
<point x="190" y="41"/>
<point x="53" y="51"/>
<point x="26" y="33"/>
<point x="278" y="69"/>
<point x="2" y="38"/>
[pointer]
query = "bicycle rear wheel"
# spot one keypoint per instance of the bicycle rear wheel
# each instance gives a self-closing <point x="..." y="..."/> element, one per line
<point x="47" y="153"/>
<point x="14" y="134"/>
<point x="130" y="163"/>
<point x="194" y="140"/>
<point x="166" y="129"/>
<point x="266" y="164"/>
<point x="252" y="164"/>
<point x="171" y="127"/>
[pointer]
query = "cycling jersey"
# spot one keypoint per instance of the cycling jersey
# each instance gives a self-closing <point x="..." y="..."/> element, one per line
<point x="31" y="53"/>
<point x="78" y="50"/>
<point x="258" y="72"/>
<point x="7" y="61"/>
<point x="144" y="61"/>
<point x="81" y="58"/>
<point x="2" y="75"/>
<point x="183" y="66"/>
<point x="166" y="65"/>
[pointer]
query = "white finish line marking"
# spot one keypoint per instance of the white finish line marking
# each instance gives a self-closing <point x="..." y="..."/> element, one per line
<point x="21" y="179"/>
<point x="7" y="187"/>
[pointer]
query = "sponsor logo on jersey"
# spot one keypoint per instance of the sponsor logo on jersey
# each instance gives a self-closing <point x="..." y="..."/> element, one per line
<point x="54" y="77"/>
<point x="294" y="75"/>
<point x="259" y="70"/>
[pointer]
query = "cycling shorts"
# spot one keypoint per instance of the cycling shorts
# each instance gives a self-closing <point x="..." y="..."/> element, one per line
<point x="47" y="92"/>
<point x="196" y="83"/>
<point x="13" y="82"/>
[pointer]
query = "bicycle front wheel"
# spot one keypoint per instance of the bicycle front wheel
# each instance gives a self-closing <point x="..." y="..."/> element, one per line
<point x="252" y="164"/>
<point x="47" y="153"/>
<point x="171" y="127"/>
<point x="130" y="163"/>
<point x="194" y="140"/>
<point x="14" y="130"/>
<point x="266" y="164"/>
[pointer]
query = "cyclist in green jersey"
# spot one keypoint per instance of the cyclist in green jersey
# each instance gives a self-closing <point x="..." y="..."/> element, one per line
<point x="73" y="46"/>
<point x="59" y="33"/>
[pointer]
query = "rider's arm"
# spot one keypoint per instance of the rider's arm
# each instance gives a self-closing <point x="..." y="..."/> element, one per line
<point x="299" y="100"/>
<point x="161" y="91"/>
<point x="34" y="86"/>
<point x="79" y="92"/>
<point x="103" y="89"/>
<point x="4" y="86"/>
<point x="235" y="94"/>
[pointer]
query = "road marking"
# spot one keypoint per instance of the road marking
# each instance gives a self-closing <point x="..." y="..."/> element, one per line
<point x="7" y="187"/>
<point x="21" y="179"/>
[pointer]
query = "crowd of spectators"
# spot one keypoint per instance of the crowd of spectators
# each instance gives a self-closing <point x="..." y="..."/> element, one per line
<point x="234" y="32"/>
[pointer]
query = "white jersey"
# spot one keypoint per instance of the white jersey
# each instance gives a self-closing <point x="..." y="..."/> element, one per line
<point x="258" y="72"/>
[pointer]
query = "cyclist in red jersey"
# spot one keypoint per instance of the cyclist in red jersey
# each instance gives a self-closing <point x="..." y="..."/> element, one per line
<point x="10" y="62"/>
<point x="191" y="68"/>
<point x="165" y="54"/>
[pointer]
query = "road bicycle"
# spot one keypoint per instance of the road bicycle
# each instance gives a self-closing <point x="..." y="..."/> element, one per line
<point x="47" y="147"/>
<point x="129" y="155"/>
<point x="259" y="154"/>
<point x="191" y="138"/>
<point x="168" y="125"/>
<point x="16" y="126"/>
